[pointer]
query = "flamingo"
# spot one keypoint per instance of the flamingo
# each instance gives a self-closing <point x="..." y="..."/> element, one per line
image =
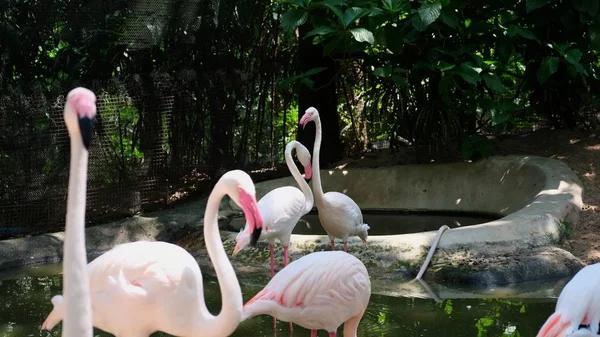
<point x="321" y="290"/>
<point x="79" y="115"/>
<point x="283" y="207"/>
<point x="142" y="287"/>
<point x="339" y="215"/>
<point x="578" y="304"/>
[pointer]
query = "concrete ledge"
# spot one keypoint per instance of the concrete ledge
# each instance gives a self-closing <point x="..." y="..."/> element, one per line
<point x="540" y="199"/>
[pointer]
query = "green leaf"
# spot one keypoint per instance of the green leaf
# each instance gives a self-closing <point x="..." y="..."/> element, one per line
<point x="322" y="30"/>
<point x="338" y="12"/>
<point x="548" y="67"/>
<point x="573" y="56"/>
<point x="517" y="30"/>
<point x="334" y="2"/>
<point x="532" y="5"/>
<point x="352" y="14"/>
<point x="392" y="5"/>
<point x="429" y="12"/>
<point x="594" y="34"/>
<point x="362" y="35"/>
<point x="468" y="73"/>
<point x="293" y="18"/>
<point x="493" y="81"/>
<point x="399" y="81"/>
<point x="418" y="23"/>
<point x="313" y="71"/>
<point x="589" y="7"/>
<point x="383" y="71"/>
<point x="443" y="65"/>
<point x="449" y="19"/>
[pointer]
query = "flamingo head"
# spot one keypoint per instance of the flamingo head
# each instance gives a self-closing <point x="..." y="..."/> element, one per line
<point x="305" y="159"/>
<point x="241" y="240"/>
<point x="80" y="114"/>
<point x="311" y="114"/>
<point x="245" y="198"/>
<point x="363" y="233"/>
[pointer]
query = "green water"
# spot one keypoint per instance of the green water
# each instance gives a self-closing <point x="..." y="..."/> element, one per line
<point x="26" y="297"/>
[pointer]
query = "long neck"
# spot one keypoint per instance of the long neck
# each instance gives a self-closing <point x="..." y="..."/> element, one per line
<point x="308" y="195"/>
<point x="316" y="176"/>
<point x="78" y="309"/>
<point x="230" y="316"/>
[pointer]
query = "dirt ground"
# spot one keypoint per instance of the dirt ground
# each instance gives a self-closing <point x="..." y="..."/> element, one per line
<point x="580" y="150"/>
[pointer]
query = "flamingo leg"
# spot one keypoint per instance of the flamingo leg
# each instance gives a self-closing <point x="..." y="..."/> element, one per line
<point x="332" y="245"/>
<point x="285" y="256"/>
<point x="313" y="333"/>
<point x="345" y="246"/>
<point x="332" y="334"/>
<point x="272" y="260"/>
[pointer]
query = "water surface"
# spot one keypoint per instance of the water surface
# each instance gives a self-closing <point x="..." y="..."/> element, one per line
<point x="26" y="297"/>
<point x="389" y="223"/>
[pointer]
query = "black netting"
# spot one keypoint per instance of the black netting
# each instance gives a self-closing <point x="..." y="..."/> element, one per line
<point x="185" y="91"/>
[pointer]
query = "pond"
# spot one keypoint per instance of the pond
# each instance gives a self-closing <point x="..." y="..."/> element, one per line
<point x="26" y="297"/>
<point x="389" y="222"/>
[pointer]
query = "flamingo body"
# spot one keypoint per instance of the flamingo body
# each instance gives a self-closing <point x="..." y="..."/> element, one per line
<point x="153" y="287"/>
<point x="339" y="215"/>
<point x="321" y="290"/>
<point x="578" y="304"/>
<point x="141" y="287"/>
<point x="282" y="208"/>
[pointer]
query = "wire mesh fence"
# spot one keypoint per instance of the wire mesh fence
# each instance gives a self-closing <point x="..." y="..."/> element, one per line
<point x="134" y="165"/>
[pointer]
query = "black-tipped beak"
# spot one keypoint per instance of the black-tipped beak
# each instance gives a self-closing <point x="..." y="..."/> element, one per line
<point x="255" y="234"/>
<point x="86" y="126"/>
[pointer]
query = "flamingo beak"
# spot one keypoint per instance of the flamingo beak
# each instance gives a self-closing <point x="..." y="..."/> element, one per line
<point x="237" y="248"/>
<point x="364" y="242"/>
<point x="86" y="125"/>
<point x="308" y="171"/>
<point x="252" y="214"/>
<point x="304" y="120"/>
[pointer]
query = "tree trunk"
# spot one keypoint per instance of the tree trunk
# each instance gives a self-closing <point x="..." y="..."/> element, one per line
<point x="323" y="97"/>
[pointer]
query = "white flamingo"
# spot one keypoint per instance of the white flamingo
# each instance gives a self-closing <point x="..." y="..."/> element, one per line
<point x="79" y="115"/>
<point x="321" y="290"/>
<point x="142" y="287"/>
<point x="578" y="304"/>
<point x="339" y="215"/>
<point x="282" y="208"/>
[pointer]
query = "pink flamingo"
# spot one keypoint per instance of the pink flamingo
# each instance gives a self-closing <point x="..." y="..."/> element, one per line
<point x="79" y="116"/>
<point x="142" y="287"/>
<point x="578" y="304"/>
<point x="321" y="290"/>
<point x="339" y="215"/>
<point x="283" y="207"/>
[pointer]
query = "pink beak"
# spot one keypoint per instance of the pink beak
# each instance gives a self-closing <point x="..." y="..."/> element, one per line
<point x="252" y="214"/>
<point x="308" y="171"/>
<point x="304" y="120"/>
<point x="237" y="248"/>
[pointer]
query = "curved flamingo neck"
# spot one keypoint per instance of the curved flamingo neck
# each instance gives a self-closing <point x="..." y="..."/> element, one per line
<point x="76" y="286"/>
<point x="225" y="323"/>
<point x="308" y="195"/>
<point x="316" y="173"/>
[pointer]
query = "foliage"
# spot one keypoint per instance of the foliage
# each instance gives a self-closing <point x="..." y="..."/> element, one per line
<point x="444" y="70"/>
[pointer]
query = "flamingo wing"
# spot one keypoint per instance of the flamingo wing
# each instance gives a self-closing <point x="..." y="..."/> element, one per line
<point x="578" y="304"/>
<point x="318" y="289"/>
